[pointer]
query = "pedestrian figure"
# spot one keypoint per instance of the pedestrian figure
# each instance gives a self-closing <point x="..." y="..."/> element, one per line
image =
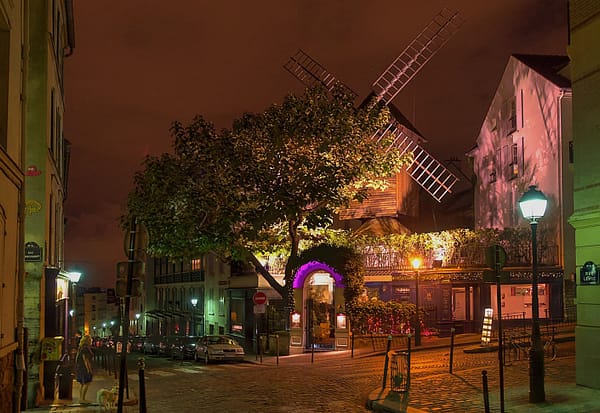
<point x="83" y="367"/>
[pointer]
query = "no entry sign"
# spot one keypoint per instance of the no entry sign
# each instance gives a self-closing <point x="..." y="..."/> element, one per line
<point x="259" y="298"/>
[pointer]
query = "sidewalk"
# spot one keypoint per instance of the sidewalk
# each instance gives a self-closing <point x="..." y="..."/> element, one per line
<point x="453" y="392"/>
<point x="102" y="380"/>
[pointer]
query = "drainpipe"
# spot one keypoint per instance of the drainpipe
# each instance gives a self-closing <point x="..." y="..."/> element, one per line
<point x="20" y="366"/>
<point x="563" y="219"/>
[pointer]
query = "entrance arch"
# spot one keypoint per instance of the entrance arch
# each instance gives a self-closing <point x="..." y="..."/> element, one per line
<point x="318" y="303"/>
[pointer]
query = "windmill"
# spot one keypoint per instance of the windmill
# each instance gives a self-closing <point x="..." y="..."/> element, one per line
<point x="425" y="170"/>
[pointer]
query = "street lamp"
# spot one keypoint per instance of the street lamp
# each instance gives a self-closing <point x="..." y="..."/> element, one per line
<point x="74" y="277"/>
<point x="533" y="206"/>
<point x="194" y="302"/>
<point x="416" y="264"/>
<point x="137" y="324"/>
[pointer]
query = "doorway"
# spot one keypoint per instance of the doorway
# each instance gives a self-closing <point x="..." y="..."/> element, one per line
<point x="320" y="310"/>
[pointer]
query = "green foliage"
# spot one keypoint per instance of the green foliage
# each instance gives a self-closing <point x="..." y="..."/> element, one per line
<point x="251" y="188"/>
<point x="376" y="316"/>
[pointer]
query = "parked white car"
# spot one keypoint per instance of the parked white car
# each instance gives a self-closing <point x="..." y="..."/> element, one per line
<point x="218" y="348"/>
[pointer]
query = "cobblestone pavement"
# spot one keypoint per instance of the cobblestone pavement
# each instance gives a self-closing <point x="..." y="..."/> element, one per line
<point x="335" y="382"/>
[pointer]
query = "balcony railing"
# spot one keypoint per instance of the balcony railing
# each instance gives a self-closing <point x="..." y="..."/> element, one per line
<point x="179" y="277"/>
<point x="469" y="256"/>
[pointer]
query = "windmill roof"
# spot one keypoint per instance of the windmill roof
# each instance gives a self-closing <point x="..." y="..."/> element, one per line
<point x="381" y="226"/>
<point x="549" y="66"/>
<point x="396" y="114"/>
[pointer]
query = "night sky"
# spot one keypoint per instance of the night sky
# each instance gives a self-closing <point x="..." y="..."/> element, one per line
<point x="138" y="65"/>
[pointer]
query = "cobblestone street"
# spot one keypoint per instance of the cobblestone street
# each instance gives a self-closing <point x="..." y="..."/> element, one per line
<point x="336" y="382"/>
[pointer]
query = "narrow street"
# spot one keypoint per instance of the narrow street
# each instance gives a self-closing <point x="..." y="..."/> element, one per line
<point x="335" y="382"/>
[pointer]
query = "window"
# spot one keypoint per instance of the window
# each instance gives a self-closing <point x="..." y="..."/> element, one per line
<point x="513" y="166"/>
<point x="196" y="264"/>
<point x="571" y="153"/>
<point x="509" y="115"/>
<point x="222" y="301"/>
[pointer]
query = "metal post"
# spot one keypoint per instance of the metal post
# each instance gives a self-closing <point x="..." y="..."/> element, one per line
<point x="387" y="359"/>
<point x="536" y="352"/>
<point x="352" y="344"/>
<point x="500" y="331"/>
<point x="125" y="318"/>
<point x="141" y="367"/>
<point x="486" y="395"/>
<point x="418" y="326"/>
<point x="277" y="344"/>
<point x="451" y="348"/>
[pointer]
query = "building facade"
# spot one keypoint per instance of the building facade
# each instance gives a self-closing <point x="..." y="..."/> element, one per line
<point x="49" y="41"/>
<point x="12" y="179"/>
<point x="186" y="296"/>
<point x="526" y="139"/>
<point x="585" y="56"/>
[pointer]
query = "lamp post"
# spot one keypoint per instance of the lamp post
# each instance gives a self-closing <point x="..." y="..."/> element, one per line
<point x="74" y="277"/>
<point x="194" y="302"/>
<point x="416" y="264"/>
<point x="137" y="324"/>
<point x="533" y="206"/>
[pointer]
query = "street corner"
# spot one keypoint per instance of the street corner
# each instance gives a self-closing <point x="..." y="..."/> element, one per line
<point x="480" y="349"/>
<point x="385" y="400"/>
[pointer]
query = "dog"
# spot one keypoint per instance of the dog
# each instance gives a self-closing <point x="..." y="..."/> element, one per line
<point x="107" y="399"/>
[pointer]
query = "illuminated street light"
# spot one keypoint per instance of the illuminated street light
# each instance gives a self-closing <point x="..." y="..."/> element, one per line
<point x="194" y="302"/>
<point x="533" y="206"/>
<point x="137" y="324"/>
<point x="74" y="277"/>
<point x="416" y="264"/>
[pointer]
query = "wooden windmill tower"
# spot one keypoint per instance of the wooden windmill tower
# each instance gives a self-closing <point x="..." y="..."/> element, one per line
<point x="425" y="170"/>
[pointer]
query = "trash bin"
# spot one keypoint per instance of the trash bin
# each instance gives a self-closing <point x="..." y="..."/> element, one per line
<point x="400" y="371"/>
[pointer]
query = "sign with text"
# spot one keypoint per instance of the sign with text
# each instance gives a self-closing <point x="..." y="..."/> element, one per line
<point x="588" y="274"/>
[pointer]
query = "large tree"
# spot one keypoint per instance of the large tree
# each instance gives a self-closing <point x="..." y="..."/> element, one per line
<point x="251" y="188"/>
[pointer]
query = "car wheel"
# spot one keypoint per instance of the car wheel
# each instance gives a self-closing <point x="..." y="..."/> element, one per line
<point x="206" y="358"/>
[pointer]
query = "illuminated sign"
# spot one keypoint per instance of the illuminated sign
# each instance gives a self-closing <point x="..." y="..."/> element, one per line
<point x="486" y="331"/>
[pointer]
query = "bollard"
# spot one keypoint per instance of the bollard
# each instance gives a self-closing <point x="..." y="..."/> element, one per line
<point x="451" y="348"/>
<point x="387" y="359"/>
<point x="486" y="396"/>
<point x="408" y="349"/>
<point x="351" y="344"/>
<point x="277" y="345"/>
<point x="141" y="367"/>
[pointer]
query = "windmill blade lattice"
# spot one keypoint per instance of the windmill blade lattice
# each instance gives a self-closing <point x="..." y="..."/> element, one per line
<point x="427" y="171"/>
<point x="309" y="72"/>
<point x="417" y="53"/>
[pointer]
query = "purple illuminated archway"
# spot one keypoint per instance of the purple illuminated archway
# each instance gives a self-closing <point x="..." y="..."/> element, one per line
<point x="313" y="266"/>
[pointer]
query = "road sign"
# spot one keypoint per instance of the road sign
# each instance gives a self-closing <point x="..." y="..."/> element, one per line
<point x="260" y="308"/>
<point x="259" y="298"/>
<point x="123" y="268"/>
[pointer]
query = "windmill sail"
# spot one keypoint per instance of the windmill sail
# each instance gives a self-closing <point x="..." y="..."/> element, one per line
<point x="309" y="72"/>
<point x="443" y="26"/>
<point x="427" y="171"/>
